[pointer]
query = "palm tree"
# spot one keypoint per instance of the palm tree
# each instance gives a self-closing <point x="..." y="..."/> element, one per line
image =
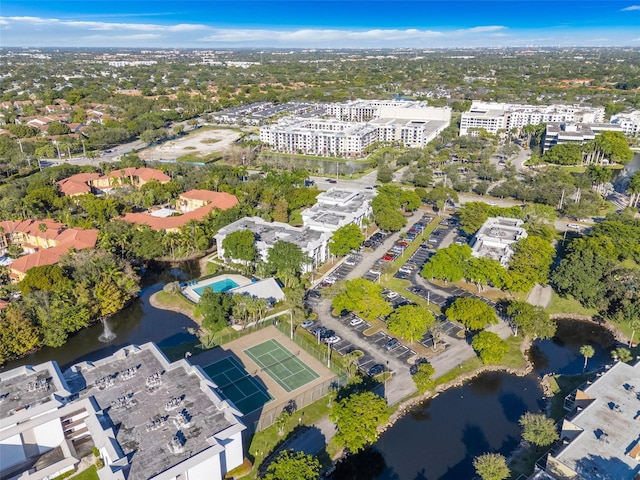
<point x="587" y="352"/>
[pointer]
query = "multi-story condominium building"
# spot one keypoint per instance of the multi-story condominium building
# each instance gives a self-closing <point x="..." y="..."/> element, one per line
<point x="493" y="117"/>
<point x="347" y="134"/>
<point x="146" y="417"/>
<point x="338" y="207"/>
<point x="558" y="133"/>
<point x="495" y="238"/>
<point x="313" y="243"/>
<point x="629" y="122"/>
<point x="319" y="137"/>
<point x="600" y="438"/>
<point x="44" y="242"/>
<point x="82" y="183"/>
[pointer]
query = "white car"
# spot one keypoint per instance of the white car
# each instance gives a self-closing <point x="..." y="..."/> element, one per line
<point x="355" y="321"/>
<point x="574" y="226"/>
<point x="392" y="294"/>
<point x="350" y="261"/>
<point x="332" y="340"/>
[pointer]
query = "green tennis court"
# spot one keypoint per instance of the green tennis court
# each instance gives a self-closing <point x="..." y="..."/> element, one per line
<point x="281" y="365"/>
<point x="243" y="390"/>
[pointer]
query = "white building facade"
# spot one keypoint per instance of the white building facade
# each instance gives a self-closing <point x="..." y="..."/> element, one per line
<point x="495" y="238"/>
<point x="628" y="122"/>
<point x="579" y="133"/>
<point x="493" y="117"/>
<point x="148" y="419"/>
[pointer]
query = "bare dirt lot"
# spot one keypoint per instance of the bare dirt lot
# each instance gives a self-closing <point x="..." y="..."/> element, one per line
<point x="202" y="142"/>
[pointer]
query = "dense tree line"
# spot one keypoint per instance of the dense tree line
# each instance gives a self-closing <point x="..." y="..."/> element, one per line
<point x="594" y="270"/>
<point x="61" y="299"/>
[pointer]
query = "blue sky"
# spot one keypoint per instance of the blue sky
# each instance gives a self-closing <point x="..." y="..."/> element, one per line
<point x="323" y="24"/>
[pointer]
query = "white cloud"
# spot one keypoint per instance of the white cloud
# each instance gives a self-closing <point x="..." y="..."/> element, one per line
<point x="134" y="37"/>
<point x="631" y="8"/>
<point x="487" y="29"/>
<point x="91" y="25"/>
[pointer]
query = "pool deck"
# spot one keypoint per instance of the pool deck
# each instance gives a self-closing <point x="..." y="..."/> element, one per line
<point x="192" y="295"/>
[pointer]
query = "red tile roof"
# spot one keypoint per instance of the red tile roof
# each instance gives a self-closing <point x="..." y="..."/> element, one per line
<point x="81" y="182"/>
<point x="220" y="200"/>
<point x="64" y="239"/>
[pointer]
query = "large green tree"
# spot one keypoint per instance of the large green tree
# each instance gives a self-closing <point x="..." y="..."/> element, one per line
<point x="491" y="466"/>
<point x="532" y="259"/>
<point x="473" y="313"/>
<point x="448" y="264"/>
<point x="240" y="245"/>
<point x="532" y="321"/>
<point x="423" y="378"/>
<point x="472" y="215"/>
<point x="290" y="465"/>
<point x="538" y="429"/>
<point x="357" y="418"/>
<point x="215" y="308"/>
<point x="410" y="322"/>
<point x="362" y="297"/>
<point x="489" y="346"/>
<point x="345" y="239"/>
<point x="286" y="260"/>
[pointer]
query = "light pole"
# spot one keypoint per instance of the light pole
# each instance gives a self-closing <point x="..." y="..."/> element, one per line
<point x="328" y="355"/>
<point x="291" y="323"/>
<point x="428" y="297"/>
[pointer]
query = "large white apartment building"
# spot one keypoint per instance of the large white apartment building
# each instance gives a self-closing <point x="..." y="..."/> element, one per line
<point x="148" y="419"/>
<point x="505" y="116"/>
<point x="629" y="122"/>
<point x="559" y="133"/>
<point x="335" y="208"/>
<point x="357" y="125"/>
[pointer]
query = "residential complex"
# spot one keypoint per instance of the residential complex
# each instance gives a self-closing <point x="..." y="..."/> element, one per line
<point x="82" y="183"/>
<point x="354" y="126"/>
<point x="338" y="207"/>
<point x="335" y="208"/>
<point x="191" y="205"/>
<point x="629" y="122"/>
<point x="147" y="417"/>
<point x="559" y="133"/>
<point x="44" y="242"/>
<point x="495" y="238"/>
<point x="313" y="243"/>
<point x="493" y="117"/>
<point x="601" y="437"/>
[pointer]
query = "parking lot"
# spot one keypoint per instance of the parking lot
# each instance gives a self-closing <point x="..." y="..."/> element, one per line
<point x="341" y="272"/>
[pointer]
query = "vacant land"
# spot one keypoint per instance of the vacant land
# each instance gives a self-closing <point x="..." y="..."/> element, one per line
<point x="202" y="142"/>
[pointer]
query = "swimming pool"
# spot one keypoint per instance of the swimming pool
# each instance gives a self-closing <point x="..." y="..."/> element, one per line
<point x="219" y="286"/>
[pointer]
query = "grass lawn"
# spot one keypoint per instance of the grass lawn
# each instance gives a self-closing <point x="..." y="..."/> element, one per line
<point x="90" y="473"/>
<point x="175" y="300"/>
<point x="195" y="158"/>
<point x="568" y="305"/>
<point x="465" y="367"/>
<point x="514" y="358"/>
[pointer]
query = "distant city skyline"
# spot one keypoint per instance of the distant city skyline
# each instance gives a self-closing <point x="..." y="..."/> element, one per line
<point x="319" y="24"/>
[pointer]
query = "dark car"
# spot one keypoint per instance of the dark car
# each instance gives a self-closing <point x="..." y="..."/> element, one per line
<point x="318" y="331"/>
<point x="391" y="344"/>
<point x="326" y="334"/>
<point x="332" y="181"/>
<point x="376" y="369"/>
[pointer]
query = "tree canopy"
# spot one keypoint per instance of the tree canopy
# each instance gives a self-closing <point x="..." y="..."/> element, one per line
<point x="240" y="245"/>
<point x="423" y="378"/>
<point x="489" y="346"/>
<point x="538" y="429"/>
<point x="345" y="239"/>
<point x="473" y="313"/>
<point x="357" y="418"/>
<point x="362" y="297"/>
<point x="532" y="321"/>
<point x="410" y="322"/>
<point x="491" y="466"/>
<point x="290" y="465"/>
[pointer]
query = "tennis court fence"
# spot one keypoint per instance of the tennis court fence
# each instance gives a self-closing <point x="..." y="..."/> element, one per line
<point x="307" y="397"/>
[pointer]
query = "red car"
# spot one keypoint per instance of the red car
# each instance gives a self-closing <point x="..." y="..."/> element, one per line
<point x="387" y="258"/>
<point x="402" y="244"/>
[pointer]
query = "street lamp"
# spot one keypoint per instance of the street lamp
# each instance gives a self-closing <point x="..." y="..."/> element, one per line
<point x="291" y="322"/>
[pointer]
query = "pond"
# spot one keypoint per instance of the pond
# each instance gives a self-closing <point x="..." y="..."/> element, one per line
<point x="138" y="323"/>
<point x="439" y="438"/>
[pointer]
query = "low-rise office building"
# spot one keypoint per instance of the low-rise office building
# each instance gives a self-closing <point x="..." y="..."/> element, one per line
<point x="579" y="133"/>
<point x="495" y="238"/>
<point x="148" y="419"/>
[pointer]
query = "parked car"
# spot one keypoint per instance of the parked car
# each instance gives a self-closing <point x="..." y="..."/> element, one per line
<point x="350" y="261"/>
<point x="391" y="343"/>
<point x="308" y="324"/>
<point x="355" y="321"/>
<point x="318" y="331"/>
<point x="392" y="294"/>
<point x="332" y="340"/>
<point x="376" y="369"/>
<point x="574" y="226"/>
